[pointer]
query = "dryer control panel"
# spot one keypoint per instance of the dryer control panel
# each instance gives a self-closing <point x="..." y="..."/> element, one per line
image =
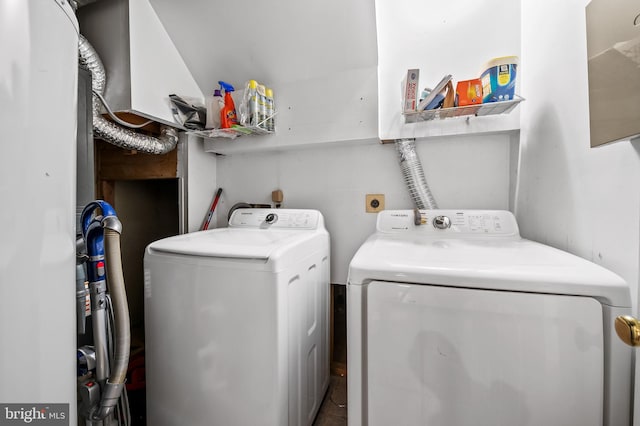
<point x="453" y="223"/>
<point x="276" y="218"/>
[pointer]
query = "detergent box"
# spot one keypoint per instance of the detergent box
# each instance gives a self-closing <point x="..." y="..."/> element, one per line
<point x="499" y="79"/>
<point x="409" y="89"/>
<point x="469" y="92"/>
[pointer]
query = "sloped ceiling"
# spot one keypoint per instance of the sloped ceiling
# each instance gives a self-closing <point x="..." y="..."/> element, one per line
<point x="271" y="40"/>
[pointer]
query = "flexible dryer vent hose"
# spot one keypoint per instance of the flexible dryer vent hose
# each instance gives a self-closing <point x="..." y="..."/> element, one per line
<point x="414" y="175"/>
<point x="107" y="130"/>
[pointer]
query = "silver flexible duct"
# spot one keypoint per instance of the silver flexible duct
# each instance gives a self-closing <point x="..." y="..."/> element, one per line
<point x="414" y="175"/>
<point x="115" y="279"/>
<point x="107" y="130"/>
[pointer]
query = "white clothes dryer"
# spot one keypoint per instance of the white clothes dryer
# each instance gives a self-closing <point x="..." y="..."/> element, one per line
<point x="237" y="322"/>
<point x="459" y="321"/>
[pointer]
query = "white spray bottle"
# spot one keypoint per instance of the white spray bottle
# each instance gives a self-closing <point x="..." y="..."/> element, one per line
<point x="214" y="105"/>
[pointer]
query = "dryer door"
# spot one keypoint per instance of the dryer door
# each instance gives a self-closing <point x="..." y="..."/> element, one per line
<point x="454" y="356"/>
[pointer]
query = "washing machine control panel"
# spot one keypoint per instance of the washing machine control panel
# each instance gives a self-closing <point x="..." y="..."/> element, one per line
<point x="453" y="223"/>
<point x="275" y="218"/>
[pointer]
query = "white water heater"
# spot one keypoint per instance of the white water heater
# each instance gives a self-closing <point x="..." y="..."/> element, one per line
<point x="38" y="96"/>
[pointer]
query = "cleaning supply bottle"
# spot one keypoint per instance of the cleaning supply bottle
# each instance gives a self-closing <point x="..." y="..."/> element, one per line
<point x="214" y="106"/>
<point x="228" y="116"/>
<point x="270" y="110"/>
<point x="251" y="96"/>
<point x="262" y="107"/>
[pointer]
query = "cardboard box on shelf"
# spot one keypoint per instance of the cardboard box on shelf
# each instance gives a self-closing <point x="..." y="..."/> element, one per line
<point x="440" y="87"/>
<point x="469" y="92"/>
<point x="409" y="89"/>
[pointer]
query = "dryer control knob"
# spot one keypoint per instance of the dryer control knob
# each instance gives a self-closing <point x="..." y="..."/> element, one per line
<point x="441" y="222"/>
<point x="271" y="218"/>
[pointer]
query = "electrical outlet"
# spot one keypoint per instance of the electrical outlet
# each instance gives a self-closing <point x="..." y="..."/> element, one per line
<point x="374" y="203"/>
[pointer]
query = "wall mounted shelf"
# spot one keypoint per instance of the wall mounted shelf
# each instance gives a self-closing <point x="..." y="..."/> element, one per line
<point x="491" y="108"/>
<point x="230" y="133"/>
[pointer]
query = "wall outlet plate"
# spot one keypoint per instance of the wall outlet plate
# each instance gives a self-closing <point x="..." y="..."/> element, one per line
<point x="374" y="203"/>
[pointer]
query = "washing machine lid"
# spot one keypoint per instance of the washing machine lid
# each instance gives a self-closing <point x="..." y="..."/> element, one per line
<point x="481" y="258"/>
<point x="231" y="243"/>
<point x="252" y="234"/>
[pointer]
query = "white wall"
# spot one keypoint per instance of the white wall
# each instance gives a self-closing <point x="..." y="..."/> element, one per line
<point x="463" y="172"/>
<point x="274" y="42"/>
<point x="582" y="200"/>
<point x="200" y="182"/>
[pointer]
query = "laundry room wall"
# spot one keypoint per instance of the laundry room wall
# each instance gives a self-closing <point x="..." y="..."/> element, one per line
<point x="580" y="199"/>
<point x="200" y="174"/>
<point x="462" y="171"/>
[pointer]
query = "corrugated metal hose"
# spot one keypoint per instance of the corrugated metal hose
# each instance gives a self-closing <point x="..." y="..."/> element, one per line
<point x="414" y="175"/>
<point x="109" y="131"/>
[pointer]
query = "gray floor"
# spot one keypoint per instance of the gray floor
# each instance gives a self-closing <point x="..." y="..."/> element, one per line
<point x="333" y="411"/>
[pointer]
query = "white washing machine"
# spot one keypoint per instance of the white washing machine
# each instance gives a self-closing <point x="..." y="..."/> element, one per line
<point x="237" y="322"/>
<point x="460" y="321"/>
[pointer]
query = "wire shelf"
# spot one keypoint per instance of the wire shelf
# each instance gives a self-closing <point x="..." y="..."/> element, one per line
<point x="230" y="133"/>
<point x="491" y="108"/>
